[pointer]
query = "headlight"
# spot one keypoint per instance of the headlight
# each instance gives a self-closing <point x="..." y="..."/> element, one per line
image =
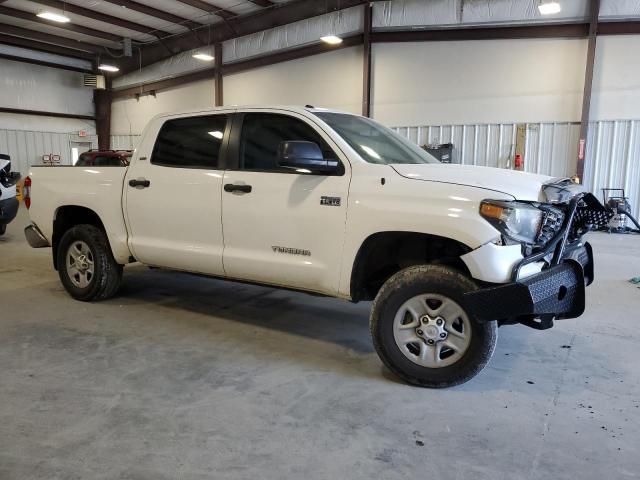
<point x="515" y="220"/>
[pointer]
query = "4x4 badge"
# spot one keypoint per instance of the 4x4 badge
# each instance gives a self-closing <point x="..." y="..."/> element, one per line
<point x="330" y="201"/>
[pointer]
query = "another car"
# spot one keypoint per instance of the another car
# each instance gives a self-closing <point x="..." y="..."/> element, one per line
<point x="333" y="204"/>
<point x="8" y="200"/>
<point x="104" y="158"/>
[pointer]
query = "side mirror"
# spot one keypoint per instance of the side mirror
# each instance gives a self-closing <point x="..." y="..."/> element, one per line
<point x="305" y="157"/>
<point x="15" y="176"/>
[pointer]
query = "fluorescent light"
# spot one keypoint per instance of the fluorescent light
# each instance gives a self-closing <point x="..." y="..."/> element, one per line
<point x="549" y="8"/>
<point x="216" y="134"/>
<point x="54" y="17"/>
<point x="108" y="68"/>
<point x="331" y="39"/>
<point x="205" y="57"/>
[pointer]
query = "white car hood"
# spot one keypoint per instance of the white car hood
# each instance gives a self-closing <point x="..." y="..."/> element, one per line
<point x="520" y="185"/>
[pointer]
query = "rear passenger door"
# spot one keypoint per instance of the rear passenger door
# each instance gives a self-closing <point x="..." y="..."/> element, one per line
<point x="172" y="194"/>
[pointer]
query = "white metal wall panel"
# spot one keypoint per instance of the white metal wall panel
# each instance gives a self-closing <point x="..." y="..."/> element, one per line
<point x="124" y="142"/>
<point x="26" y="148"/>
<point x="430" y="13"/>
<point x="613" y="150"/>
<point x="484" y="145"/>
<point x="550" y="148"/>
<point x="35" y="87"/>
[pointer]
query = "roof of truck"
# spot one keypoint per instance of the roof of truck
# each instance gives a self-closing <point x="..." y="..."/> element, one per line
<point x="291" y="108"/>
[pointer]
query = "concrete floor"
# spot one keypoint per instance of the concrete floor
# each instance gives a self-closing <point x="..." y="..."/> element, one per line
<point x="191" y="378"/>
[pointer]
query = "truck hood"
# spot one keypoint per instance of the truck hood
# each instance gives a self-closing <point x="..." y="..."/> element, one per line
<point x="520" y="185"/>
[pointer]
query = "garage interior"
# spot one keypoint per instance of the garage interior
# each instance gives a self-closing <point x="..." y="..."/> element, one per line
<point x="183" y="376"/>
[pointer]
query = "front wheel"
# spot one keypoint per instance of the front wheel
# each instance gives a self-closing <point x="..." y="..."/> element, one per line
<point x="423" y="333"/>
<point x="3" y="228"/>
<point x="86" y="266"/>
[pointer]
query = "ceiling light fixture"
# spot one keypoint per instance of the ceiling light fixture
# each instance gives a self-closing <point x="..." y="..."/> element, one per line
<point x="205" y="57"/>
<point x="549" y="8"/>
<point x="54" y="17"/>
<point x="108" y="68"/>
<point x="217" y="134"/>
<point x="331" y="39"/>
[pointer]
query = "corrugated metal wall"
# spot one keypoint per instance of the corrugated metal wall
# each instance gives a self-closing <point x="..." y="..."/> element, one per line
<point x="613" y="150"/>
<point x="124" y="142"/>
<point x="27" y="147"/>
<point x="613" y="159"/>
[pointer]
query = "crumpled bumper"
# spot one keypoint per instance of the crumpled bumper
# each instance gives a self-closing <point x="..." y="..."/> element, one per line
<point x="555" y="293"/>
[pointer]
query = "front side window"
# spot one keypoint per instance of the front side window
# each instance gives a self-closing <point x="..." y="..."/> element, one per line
<point x="262" y="133"/>
<point x="192" y="142"/>
<point x="374" y="142"/>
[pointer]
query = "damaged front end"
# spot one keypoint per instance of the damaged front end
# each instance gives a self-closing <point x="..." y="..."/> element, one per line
<point x="558" y="290"/>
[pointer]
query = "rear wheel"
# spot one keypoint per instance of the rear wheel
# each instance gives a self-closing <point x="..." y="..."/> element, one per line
<point x="86" y="266"/>
<point x="423" y="333"/>
<point x="3" y="228"/>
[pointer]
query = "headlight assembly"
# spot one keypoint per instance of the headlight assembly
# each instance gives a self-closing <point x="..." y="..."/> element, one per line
<point x="517" y="221"/>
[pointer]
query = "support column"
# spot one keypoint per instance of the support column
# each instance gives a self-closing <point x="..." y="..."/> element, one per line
<point x="366" y="67"/>
<point x="102" y="103"/>
<point x="217" y="79"/>
<point x="588" y="82"/>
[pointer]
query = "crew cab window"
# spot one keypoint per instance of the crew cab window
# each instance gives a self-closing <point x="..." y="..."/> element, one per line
<point x="263" y="132"/>
<point x="107" y="162"/>
<point x="192" y="142"/>
<point x="83" y="160"/>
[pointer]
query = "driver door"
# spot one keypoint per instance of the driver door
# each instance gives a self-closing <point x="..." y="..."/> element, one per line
<point x="282" y="227"/>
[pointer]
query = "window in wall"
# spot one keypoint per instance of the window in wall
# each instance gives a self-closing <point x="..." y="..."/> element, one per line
<point x="192" y="142"/>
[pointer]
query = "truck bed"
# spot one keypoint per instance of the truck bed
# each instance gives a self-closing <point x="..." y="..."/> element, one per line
<point x="96" y="188"/>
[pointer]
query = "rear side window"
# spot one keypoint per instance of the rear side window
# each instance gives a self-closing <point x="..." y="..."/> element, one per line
<point x="106" y="162"/>
<point x="83" y="161"/>
<point x="262" y="134"/>
<point x="192" y="142"/>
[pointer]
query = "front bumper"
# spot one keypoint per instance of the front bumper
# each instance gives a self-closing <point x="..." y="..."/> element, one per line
<point x="8" y="210"/>
<point x="555" y="293"/>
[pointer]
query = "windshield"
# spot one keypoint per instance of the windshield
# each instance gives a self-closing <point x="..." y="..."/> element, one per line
<point x="374" y="142"/>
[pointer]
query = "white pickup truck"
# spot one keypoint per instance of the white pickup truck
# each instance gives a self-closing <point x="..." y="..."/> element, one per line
<point x="335" y="204"/>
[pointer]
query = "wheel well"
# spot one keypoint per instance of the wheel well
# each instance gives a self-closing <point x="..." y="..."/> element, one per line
<point x="386" y="253"/>
<point x="68" y="217"/>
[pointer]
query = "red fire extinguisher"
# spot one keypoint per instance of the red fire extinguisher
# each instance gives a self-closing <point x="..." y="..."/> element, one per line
<point x="518" y="163"/>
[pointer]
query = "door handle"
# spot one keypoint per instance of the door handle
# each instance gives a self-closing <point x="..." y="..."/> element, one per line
<point x="233" y="187"/>
<point x="140" y="182"/>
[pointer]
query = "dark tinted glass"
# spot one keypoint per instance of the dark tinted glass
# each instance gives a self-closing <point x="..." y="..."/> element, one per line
<point x="107" y="162"/>
<point x="82" y="161"/>
<point x="263" y="132"/>
<point x="192" y="142"/>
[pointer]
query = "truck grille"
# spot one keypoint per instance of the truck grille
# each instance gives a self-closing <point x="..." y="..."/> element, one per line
<point x="551" y="224"/>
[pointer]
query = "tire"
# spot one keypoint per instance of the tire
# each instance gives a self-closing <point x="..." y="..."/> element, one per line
<point x="448" y="351"/>
<point x="91" y="247"/>
<point x="3" y="229"/>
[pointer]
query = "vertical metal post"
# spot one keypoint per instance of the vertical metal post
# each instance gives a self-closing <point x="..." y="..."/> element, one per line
<point x="217" y="79"/>
<point x="588" y="82"/>
<point x="102" y="104"/>
<point x="366" y="68"/>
